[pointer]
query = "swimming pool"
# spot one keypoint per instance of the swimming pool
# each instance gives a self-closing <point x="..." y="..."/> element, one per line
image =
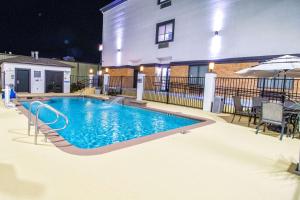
<point x="95" y="123"/>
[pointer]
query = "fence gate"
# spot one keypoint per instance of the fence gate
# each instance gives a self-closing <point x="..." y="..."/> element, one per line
<point x="185" y="91"/>
<point x="270" y="88"/>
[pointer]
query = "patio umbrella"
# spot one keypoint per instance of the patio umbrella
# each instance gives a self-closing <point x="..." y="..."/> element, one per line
<point x="284" y="66"/>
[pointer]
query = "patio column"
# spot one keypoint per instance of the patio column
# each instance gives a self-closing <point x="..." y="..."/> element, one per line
<point x="7" y="95"/>
<point x="209" y="91"/>
<point x="140" y="87"/>
<point x="105" y="83"/>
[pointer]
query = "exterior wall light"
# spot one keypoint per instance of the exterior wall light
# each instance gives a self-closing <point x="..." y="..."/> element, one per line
<point x="91" y="71"/>
<point x="100" y="47"/>
<point x="211" y="67"/>
<point x="100" y="72"/>
<point x="106" y="70"/>
<point x="216" y="33"/>
<point x="119" y="50"/>
<point x="141" y="68"/>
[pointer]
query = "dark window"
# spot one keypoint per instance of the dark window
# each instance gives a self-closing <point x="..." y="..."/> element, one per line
<point x="275" y="83"/>
<point x="196" y="74"/>
<point x="165" y="31"/>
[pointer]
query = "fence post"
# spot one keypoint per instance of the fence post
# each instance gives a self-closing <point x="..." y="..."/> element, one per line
<point x="140" y="87"/>
<point x="209" y="91"/>
<point x="105" y="83"/>
<point x="121" y="85"/>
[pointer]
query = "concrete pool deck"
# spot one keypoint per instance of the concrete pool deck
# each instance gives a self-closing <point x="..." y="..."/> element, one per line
<point x="218" y="161"/>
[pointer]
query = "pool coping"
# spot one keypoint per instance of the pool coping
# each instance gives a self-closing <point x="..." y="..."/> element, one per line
<point x="67" y="147"/>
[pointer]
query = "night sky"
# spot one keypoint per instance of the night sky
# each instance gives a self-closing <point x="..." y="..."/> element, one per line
<point x="55" y="28"/>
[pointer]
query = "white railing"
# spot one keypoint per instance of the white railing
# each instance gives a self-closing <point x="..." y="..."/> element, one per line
<point x="30" y="123"/>
<point x="38" y="125"/>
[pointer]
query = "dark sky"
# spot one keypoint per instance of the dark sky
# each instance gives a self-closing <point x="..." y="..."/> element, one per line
<point x="55" y="28"/>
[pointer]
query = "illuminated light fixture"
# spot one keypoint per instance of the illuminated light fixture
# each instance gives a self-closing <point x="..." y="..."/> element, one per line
<point x="100" y="47"/>
<point x="215" y="46"/>
<point x="100" y="72"/>
<point x="211" y="67"/>
<point x="141" y="68"/>
<point x="106" y="70"/>
<point x="91" y="71"/>
<point x="218" y="19"/>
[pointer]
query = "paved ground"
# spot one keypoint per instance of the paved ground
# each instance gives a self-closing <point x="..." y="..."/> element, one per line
<point x="219" y="161"/>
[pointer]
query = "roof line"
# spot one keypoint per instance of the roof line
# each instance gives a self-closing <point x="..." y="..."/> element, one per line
<point x="39" y="64"/>
<point x="111" y="5"/>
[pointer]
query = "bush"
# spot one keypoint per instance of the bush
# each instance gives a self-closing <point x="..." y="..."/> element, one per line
<point x="76" y="86"/>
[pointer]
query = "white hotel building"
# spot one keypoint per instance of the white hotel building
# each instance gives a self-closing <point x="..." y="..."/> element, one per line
<point x="180" y="37"/>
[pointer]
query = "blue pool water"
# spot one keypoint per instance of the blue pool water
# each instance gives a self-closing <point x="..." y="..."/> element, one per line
<point x="94" y="123"/>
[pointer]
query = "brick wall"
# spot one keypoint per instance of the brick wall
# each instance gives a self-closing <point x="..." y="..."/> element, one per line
<point x="149" y="71"/>
<point x="222" y="70"/>
<point x="229" y="69"/>
<point x="120" y="71"/>
<point x="179" y="71"/>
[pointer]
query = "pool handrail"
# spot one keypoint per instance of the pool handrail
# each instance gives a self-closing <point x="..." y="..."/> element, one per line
<point x="37" y="126"/>
<point x="30" y="113"/>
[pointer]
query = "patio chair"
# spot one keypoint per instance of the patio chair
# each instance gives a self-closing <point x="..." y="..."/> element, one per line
<point x="272" y="113"/>
<point x="256" y="106"/>
<point x="239" y="109"/>
<point x="288" y="103"/>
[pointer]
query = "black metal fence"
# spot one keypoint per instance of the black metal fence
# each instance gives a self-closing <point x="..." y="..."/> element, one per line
<point x="80" y="82"/>
<point x="185" y="91"/>
<point x="125" y="85"/>
<point x="273" y="89"/>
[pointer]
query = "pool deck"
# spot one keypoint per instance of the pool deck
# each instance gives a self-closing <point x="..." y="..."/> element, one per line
<point x="217" y="161"/>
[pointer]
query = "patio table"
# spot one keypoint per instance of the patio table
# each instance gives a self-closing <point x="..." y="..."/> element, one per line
<point x="293" y="114"/>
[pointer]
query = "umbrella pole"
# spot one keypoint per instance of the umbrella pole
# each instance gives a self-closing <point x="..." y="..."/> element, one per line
<point x="283" y="90"/>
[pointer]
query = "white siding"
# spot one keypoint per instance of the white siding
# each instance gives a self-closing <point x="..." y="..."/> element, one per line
<point x="247" y="28"/>
<point x="37" y="84"/>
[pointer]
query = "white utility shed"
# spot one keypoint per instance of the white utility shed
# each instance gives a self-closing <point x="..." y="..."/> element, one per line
<point x="35" y="75"/>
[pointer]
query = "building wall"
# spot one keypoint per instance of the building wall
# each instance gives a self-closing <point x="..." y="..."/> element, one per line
<point x="246" y="28"/>
<point x="229" y="69"/>
<point x="149" y="71"/>
<point x="120" y="71"/>
<point x="82" y="69"/>
<point x="179" y="71"/>
<point x="37" y="84"/>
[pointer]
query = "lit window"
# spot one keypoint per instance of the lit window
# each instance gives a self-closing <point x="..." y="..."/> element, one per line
<point x="165" y="31"/>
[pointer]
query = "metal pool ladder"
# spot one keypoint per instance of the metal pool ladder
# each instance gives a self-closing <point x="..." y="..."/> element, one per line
<point x="31" y="123"/>
<point x="38" y="127"/>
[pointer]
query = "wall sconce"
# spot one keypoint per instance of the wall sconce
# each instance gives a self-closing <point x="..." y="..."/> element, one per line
<point x="211" y="67"/>
<point x="141" y="68"/>
<point x="106" y="70"/>
<point x="100" y="47"/>
<point x="216" y="33"/>
<point x="91" y="71"/>
<point x="100" y="72"/>
<point x="119" y="50"/>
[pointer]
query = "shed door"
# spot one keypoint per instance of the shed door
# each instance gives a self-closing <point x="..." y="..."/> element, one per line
<point x="54" y="81"/>
<point x="22" y="80"/>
